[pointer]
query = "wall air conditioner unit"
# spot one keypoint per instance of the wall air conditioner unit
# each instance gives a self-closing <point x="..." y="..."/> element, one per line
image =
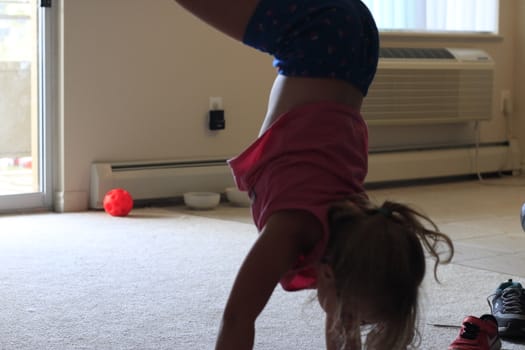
<point x="430" y="85"/>
<point x="158" y="180"/>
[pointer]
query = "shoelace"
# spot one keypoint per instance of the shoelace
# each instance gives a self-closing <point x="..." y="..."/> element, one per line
<point x="513" y="301"/>
<point x="469" y="331"/>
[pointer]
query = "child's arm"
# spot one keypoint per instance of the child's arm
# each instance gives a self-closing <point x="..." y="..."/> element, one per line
<point x="286" y="235"/>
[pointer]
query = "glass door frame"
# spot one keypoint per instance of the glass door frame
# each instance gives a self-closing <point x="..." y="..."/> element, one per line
<point x="46" y="37"/>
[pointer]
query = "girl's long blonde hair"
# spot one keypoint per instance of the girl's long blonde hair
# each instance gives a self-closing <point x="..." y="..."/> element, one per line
<point x="377" y="254"/>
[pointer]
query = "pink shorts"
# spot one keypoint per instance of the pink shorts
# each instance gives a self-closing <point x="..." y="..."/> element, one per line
<point x="311" y="157"/>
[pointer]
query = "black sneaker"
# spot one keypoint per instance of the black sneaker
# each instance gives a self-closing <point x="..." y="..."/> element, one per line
<point x="508" y="307"/>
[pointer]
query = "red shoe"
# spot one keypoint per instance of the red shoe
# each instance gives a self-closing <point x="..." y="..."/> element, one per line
<point x="477" y="334"/>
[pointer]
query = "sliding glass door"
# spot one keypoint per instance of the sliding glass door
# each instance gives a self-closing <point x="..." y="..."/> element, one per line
<point x="25" y="37"/>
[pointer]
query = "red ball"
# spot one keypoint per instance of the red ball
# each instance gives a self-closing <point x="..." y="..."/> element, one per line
<point x="118" y="202"/>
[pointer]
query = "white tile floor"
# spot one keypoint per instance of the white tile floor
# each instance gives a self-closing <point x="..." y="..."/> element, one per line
<point x="482" y="218"/>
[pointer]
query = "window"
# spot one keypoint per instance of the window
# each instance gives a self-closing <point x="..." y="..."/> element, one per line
<point x="15" y="30"/>
<point x="26" y="29"/>
<point x="479" y="16"/>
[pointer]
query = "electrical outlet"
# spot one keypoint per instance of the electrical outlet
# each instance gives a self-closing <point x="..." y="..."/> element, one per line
<point x="215" y="103"/>
<point x="506" y="102"/>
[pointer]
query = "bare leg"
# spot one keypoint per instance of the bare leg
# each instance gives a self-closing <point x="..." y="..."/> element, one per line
<point x="229" y="16"/>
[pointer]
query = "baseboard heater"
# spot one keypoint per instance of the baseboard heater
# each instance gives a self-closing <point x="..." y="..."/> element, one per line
<point x="162" y="180"/>
<point x="158" y="180"/>
<point x="442" y="163"/>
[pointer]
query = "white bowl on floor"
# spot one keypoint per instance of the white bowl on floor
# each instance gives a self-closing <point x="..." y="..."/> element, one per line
<point x="202" y="200"/>
<point x="238" y="197"/>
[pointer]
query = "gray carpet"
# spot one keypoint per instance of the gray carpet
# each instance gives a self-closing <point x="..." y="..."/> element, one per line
<point x="159" y="280"/>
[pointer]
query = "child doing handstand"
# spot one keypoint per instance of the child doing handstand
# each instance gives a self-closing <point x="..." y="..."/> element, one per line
<point x="305" y="175"/>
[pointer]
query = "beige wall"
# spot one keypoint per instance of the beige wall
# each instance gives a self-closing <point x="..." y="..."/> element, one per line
<point x="137" y="75"/>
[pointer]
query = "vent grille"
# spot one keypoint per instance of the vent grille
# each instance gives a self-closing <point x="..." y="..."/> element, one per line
<point x="430" y="86"/>
<point x="415" y="53"/>
<point x="429" y="96"/>
<point x="167" y="165"/>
